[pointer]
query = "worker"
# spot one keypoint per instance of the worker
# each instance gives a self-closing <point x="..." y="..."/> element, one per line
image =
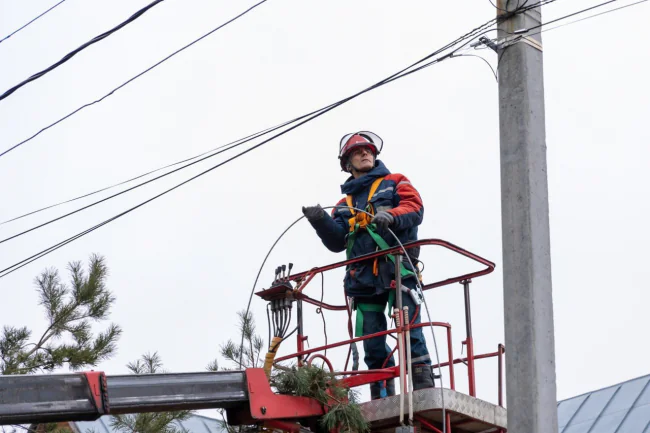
<point x="396" y="205"/>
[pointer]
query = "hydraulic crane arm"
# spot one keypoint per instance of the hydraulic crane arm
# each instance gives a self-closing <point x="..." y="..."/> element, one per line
<point x="87" y="396"/>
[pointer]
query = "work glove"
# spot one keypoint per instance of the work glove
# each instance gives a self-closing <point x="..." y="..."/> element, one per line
<point x="313" y="213"/>
<point x="383" y="219"/>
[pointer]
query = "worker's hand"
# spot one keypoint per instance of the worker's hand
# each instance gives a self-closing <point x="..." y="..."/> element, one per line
<point x="313" y="213"/>
<point x="383" y="219"/>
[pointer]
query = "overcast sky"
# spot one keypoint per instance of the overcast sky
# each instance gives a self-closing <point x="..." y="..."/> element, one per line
<point x="182" y="265"/>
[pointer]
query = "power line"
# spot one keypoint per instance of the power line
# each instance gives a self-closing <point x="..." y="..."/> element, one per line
<point x="572" y="14"/>
<point x="402" y="73"/>
<point x="255" y="135"/>
<point x="25" y="25"/>
<point x="522" y="32"/>
<point x="486" y="62"/>
<point x="72" y="113"/>
<point x="497" y="7"/>
<point x="526" y="31"/>
<point x="592" y="16"/>
<point x="71" y="54"/>
<point x="167" y="166"/>
<point x="219" y="150"/>
<point x="241" y="141"/>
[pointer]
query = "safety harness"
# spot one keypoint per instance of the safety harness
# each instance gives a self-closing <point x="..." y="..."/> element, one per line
<point x="362" y="221"/>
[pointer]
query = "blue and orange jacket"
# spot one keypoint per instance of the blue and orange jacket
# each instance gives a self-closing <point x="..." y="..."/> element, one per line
<point x="395" y="195"/>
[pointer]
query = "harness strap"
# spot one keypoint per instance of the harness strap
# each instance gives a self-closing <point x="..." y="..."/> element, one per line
<point x="362" y="219"/>
<point x="376" y="308"/>
<point x="361" y="309"/>
<point x="384" y="246"/>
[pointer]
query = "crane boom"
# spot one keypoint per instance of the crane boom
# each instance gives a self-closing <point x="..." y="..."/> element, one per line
<point x="87" y="396"/>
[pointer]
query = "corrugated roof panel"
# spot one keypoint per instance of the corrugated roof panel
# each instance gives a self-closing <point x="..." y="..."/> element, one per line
<point x="628" y="395"/>
<point x="622" y="408"/>
<point x="609" y="423"/>
<point x="637" y="421"/>
<point x="616" y="411"/>
<point x="644" y="399"/>
<point x="582" y="427"/>
<point x="567" y="408"/>
<point x="588" y="413"/>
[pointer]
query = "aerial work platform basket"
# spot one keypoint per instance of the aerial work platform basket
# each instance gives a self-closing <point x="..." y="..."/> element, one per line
<point x="247" y="395"/>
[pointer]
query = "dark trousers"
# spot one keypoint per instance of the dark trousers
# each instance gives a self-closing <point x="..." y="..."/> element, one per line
<point x="376" y="350"/>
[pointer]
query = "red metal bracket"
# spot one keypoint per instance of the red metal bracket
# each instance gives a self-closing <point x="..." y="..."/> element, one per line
<point x="266" y="405"/>
<point x="98" y="390"/>
<point x="370" y="376"/>
<point x="426" y="424"/>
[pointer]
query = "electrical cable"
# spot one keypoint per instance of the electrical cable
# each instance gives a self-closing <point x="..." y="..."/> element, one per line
<point x="284" y="338"/>
<point x="542" y="26"/>
<point x="268" y="320"/>
<point x="320" y="310"/>
<point x="497" y="7"/>
<point x="72" y="113"/>
<point x="276" y="322"/>
<point x="479" y="57"/>
<point x="402" y="73"/>
<point x="435" y="343"/>
<point x="280" y="319"/>
<point x="71" y="54"/>
<point x="25" y="25"/>
<point x="398" y="75"/>
<point x="155" y="65"/>
<point x="288" y="322"/>
<point x="572" y="14"/>
<point x="589" y="17"/>
<point x="252" y="136"/>
<point x="221" y="150"/>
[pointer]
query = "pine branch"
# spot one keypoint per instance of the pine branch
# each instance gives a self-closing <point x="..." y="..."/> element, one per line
<point x="213" y="365"/>
<point x="69" y="313"/>
<point x="323" y="386"/>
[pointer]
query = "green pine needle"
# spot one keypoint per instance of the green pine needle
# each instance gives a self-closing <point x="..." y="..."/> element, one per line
<point x="310" y="381"/>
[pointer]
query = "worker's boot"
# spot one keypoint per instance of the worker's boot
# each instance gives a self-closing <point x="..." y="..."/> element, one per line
<point x="390" y="387"/>
<point x="375" y="390"/>
<point x="378" y="390"/>
<point x="422" y="376"/>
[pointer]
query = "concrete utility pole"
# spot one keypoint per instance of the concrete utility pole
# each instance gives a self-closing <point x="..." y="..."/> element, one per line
<point x="528" y="300"/>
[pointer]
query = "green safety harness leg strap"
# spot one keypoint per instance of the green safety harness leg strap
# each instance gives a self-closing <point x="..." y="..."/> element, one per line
<point x="362" y="307"/>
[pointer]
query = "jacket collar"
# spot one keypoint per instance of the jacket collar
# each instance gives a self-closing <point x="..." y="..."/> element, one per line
<point x="354" y="186"/>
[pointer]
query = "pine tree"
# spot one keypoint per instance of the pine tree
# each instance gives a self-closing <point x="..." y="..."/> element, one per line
<point x="343" y="412"/>
<point x="250" y="353"/>
<point x="68" y="339"/>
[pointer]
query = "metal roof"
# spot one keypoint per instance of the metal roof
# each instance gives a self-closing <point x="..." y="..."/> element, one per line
<point x="622" y="408"/>
<point x="194" y="424"/>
